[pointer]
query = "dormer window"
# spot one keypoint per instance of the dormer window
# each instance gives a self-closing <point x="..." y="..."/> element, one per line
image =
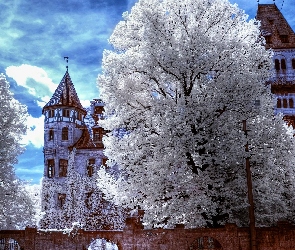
<point x="64" y="134"/>
<point x="66" y="113"/>
<point x="267" y="39"/>
<point x="50" y="168"/>
<point x="284" y="38"/>
<point x="51" y="134"/>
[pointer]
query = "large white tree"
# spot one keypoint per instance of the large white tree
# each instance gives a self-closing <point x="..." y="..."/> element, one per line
<point x="181" y="78"/>
<point x="15" y="204"/>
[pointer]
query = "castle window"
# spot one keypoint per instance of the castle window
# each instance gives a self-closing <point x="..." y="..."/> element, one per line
<point x="267" y="39"/>
<point x="91" y="162"/>
<point x="283" y="63"/>
<point x="104" y="161"/>
<point x="50" y="168"/>
<point x="63" y="168"/>
<point x="66" y="112"/>
<point x="277" y="64"/>
<point x="279" y="103"/>
<point x="61" y="198"/>
<point x="291" y="103"/>
<point x="79" y="116"/>
<point x="51" y="134"/>
<point x="97" y="135"/>
<point x="64" y="134"/>
<point x="285" y="105"/>
<point x="293" y="63"/>
<point x="88" y="199"/>
<point x="51" y="113"/>
<point x="284" y="38"/>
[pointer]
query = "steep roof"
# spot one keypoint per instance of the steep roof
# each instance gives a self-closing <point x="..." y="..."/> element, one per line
<point x="84" y="141"/>
<point x="65" y="94"/>
<point x="275" y="26"/>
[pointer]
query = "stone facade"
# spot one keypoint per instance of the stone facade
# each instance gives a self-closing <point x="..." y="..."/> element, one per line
<point x="133" y="237"/>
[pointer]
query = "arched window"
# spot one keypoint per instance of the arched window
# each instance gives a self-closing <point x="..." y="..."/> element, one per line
<point x="51" y="134"/>
<point x="285" y="104"/>
<point x="279" y="103"/>
<point x="63" y="168"/>
<point x="65" y="134"/>
<point x="277" y="64"/>
<point x="291" y="103"/>
<point x="283" y="64"/>
<point x="50" y="168"/>
<point x="293" y="63"/>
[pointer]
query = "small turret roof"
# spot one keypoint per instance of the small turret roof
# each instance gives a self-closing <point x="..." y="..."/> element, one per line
<point x="65" y="95"/>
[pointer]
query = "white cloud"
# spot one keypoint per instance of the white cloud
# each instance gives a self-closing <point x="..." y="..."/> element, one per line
<point x="42" y="85"/>
<point x="35" y="132"/>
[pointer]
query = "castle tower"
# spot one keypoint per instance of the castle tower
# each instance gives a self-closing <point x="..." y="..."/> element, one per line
<point x="64" y="116"/>
<point x="280" y="38"/>
<point x="71" y="159"/>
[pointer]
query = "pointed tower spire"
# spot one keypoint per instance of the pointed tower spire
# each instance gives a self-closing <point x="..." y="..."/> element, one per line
<point x="65" y="94"/>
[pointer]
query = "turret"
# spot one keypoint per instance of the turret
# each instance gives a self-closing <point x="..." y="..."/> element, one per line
<point x="64" y="117"/>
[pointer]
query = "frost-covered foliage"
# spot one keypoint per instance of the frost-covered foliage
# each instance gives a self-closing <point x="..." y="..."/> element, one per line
<point x="34" y="192"/>
<point x="182" y="77"/>
<point x="15" y="205"/>
<point x="102" y="244"/>
<point x="77" y="206"/>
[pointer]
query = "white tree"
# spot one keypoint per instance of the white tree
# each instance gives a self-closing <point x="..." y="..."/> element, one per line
<point x="182" y="77"/>
<point x="15" y="205"/>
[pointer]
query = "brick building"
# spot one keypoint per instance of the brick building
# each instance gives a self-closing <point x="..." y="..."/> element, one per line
<point x="280" y="38"/>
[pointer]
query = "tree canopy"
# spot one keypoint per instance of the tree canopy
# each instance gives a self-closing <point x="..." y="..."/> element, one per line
<point x="181" y="78"/>
<point x="15" y="204"/>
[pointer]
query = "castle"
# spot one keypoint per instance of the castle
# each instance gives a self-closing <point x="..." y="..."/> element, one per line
<point x="73" y="152"/>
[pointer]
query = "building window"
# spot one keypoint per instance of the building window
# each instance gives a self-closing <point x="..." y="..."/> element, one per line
<point x="63" y="168"/>
<point x="291" y="103"/>
<point x="267" y="39"/>
<point x="285" y="105"/>
<point x="98" y="134"/>
<point x="104" y="161"/>
<point x="90" y="166"/>
<point x="61" y="198"/>
<point x="284" y="38"/>
<point x="50" y="168"/>
<point x="277" y="64"/>
<point x="66" y="112"/>
<point x="283" y="64"/>
<point x="279" y="103"/>
<point x="64" y="134"/>
<point x="51" y="134"/>
<point x="88" y="202"/>
<point x="293" y="63"/>
<point x="51" y="113"/>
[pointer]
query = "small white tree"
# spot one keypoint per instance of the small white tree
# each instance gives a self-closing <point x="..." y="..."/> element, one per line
<point x="15" y="205"/>
<point x="180" y="80"/>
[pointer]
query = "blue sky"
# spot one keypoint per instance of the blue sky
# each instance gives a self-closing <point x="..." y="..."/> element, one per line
<point x="37" y="34"/>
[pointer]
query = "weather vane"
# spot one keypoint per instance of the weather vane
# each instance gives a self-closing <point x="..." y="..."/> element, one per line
<point x="67" y="60"/>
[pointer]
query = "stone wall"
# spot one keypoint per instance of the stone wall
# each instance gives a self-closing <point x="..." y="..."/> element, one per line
<point x="134" y="237"/>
